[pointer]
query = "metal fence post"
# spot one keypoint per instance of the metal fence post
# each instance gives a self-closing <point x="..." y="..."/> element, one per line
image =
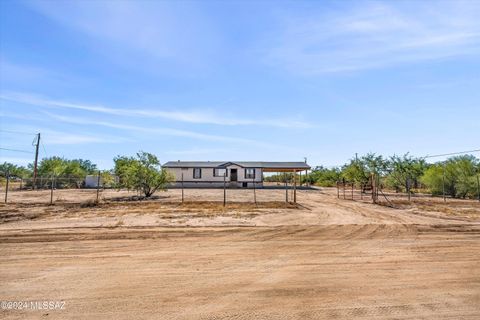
<point x="443" y="183"/>
<point x="98" y="185"/>
<point x="224" y="188"/>
<point x="6" y="186"/>
<point x="182" y="188"/>
<point x="254" y="193"/>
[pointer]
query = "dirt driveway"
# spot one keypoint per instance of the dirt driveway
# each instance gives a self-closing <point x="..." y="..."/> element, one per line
<point x="326" y="259"/>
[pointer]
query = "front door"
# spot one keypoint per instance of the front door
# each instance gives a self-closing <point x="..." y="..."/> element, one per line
<point x="233" y="174"/>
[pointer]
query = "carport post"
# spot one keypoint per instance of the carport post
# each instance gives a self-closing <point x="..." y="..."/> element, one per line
<point x="294" y="186"/>
<point x="286" y="189"/>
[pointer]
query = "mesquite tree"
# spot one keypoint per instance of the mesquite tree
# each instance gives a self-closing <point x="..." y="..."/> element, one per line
<point x="142" y="173"/>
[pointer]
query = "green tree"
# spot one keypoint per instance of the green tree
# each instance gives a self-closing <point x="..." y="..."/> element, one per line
<point x="14" y="171"/>
<point x="457" y="175"/>
<point x="142" y="173"/>
<point x="360" y="170"/>
<point x="404" y="172"/>
<point x="107" y="178"/>
<point x="51" y="166"/>
<point x="323" y="177"/>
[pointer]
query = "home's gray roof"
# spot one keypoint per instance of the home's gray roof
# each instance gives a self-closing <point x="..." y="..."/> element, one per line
<point x="245" y="164"/>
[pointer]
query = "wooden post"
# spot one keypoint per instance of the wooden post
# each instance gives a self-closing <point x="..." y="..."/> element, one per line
<point x="294" y="186"/>
<point x="21" y="183"/>
<point x="6" y="186"/>
<point x="300" y="182"/>
<point x="373" y="182"/>
<point x="343" y="183"/>
<point x="338" y="191"/>
<point x="182" y="188"/>
<point x="51" y="189"/>
<point x="98" y="186"/>
<point x="379" y="186"/>
<point x="478" y="186"/>
<point x="408" y="188"/>
<point x="352" y="190"/>
<point x="225" y="188"/>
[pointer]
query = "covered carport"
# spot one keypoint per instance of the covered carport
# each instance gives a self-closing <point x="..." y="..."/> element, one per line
<point x="287" y="167"/>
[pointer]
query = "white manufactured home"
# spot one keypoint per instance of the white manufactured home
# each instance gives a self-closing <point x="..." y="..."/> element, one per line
<point x="235" y="174"/>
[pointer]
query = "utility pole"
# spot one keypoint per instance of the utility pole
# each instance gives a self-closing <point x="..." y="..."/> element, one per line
<point x="35" y="164"/>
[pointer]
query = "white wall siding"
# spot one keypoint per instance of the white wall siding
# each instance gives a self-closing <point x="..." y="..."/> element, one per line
<point x="207" y="174"/>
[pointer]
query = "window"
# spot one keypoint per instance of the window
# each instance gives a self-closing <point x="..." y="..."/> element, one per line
<point x="197" y="173"/>
<point x="250" y="173"/>
<point x="220" y="172"/>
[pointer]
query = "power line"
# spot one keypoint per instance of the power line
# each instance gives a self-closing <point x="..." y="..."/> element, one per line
<point x="451" y="154"/>
<point x="44" y="150"/>
<point x="16" y="150"/>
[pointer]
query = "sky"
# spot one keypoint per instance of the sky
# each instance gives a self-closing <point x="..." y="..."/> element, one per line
<point x="246" y="80"/>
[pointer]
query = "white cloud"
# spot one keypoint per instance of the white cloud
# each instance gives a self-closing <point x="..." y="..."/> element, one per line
<point x="375" y="35"/>
<point x="16" y="160"/>
<point x="198" y="117"/>
<point x="51" y="137"/>
<point x="199" y="151"/>
<point x="161" y="131"/>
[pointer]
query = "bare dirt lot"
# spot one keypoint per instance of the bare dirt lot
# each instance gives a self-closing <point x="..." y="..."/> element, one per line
<point x="325" y="258"/>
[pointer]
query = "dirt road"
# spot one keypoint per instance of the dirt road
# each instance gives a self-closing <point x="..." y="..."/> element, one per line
<point x="329" y="259"/>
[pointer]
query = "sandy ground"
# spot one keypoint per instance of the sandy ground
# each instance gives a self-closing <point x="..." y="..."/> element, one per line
<point x="325" y="258"/>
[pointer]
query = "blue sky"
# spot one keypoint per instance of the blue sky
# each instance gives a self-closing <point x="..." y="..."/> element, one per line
<point x="267" y="80"/>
